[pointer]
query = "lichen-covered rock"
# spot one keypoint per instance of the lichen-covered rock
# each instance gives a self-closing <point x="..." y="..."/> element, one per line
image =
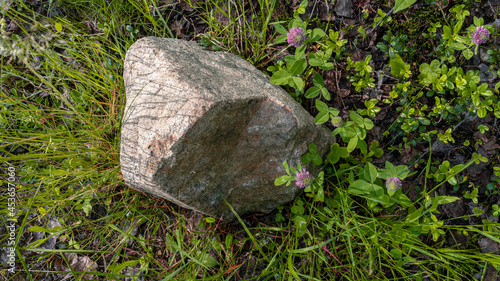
<point x="200" y="127"/>
<point x="344" y="8"/>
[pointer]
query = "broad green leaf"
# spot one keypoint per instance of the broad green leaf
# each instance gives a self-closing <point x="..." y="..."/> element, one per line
<point x="458" y="26"/>
<point x="58" y="27"/>
<point x="317" y="160"/>
<point x="312" y="92"/>
<point x="315" y="61"/>
<point x="415" y="215"/>
<point x="368" y="123"/>
<point x="300" y="52"/>
<point x="320" y="178"/>
<point x="313" y="149"/>
<point x="290" y="60"/>
<point x="370" y="172"/>
<point x="343" y="152"/>
<point x="377" y="192"/>
<point x="392" y="54"/>
<point x="286" y="167"/>
<point x="320" y="195"/>
<point x="299" y="83"/>
<point x="298" y="67"/>
<point x="447" y="199"/>
<point x="326" y="66"/>
<point x="356" y="117"/>
<point x="281" y="180"/>
<point x="435" y="66"/>
<point x="37" y="229"/>
<point x="353" y="142"/>
<point x="397" y="66"/>
<point x="208" y="260"/>
<point x="458" y="46"/>
<point x="321" y="106"/>
<point x="452" y="181"/>
<point x="280" y="77"/>
<point x="396" y="253"/>
<point x="306" y="158"/>
<point x="383" y="47"/>
<point x="347" y="132"/>
<point x="280" y="39"/>
<point x="301" y="225"/>
<point x="322" y="117"/>
<point x="477" y="22"/>
<point x="401" y="172"/>
<point x="333" y="111"/>
<point x="447" y="32"/>
<point x="280" y="29"/>
<point x="424" y="121"/>
<point x="333" y="157"/>
<point x="404" y="200"/>
<point x="325" y="93"/>
<point x="315" y="58"/>
<point x="316" y="34"/>
<point x="360" y="187"/>
<point x="318" y="80"/>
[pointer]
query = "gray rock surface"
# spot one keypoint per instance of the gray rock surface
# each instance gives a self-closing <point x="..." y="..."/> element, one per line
<point x="200" y="127"/>
<point x="344" y="8"/>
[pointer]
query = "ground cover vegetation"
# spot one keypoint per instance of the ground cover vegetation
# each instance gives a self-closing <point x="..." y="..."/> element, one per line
<point x="410" y="191"/>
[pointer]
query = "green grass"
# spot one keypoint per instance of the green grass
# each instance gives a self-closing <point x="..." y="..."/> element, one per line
<point x="62" y="100"/>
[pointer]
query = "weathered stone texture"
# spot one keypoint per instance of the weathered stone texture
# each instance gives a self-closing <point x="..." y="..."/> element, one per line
<point x="200" y="126"/>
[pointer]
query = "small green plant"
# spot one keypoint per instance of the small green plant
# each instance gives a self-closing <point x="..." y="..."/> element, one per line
<point x="472" y="195"/>
<point x="133" y="31"/>
<point x="353" y="132"/>
<point x="496" y="210"/>
<point x="395" y="45"/>
<point x="362" y="79"/>
<point x="371" y="108"/>
<point x="297" y="67"/>
<point x="482" y="128"/>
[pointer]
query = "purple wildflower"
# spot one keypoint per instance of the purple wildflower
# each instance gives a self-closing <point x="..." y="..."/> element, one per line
<point x="480" y="35"/>
<point x="304" y="179"/>
<point x="393" y="184"/>
<point x="296" y="37"/>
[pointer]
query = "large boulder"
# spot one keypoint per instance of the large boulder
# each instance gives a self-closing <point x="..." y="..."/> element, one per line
<point x="201" y="126"/>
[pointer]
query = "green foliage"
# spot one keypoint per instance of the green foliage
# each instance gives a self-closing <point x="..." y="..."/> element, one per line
<point x="299" y="67"/>
<point x="319" y="87"/>
<point x="362" y="79"/>
<point x="472" y="195"/>
<point x="371" y="108"/>
<point x="399" y="68"/>
<point x="455" y="93"/>
<point x="325" y="112"/>
<point x="247" y="37"/>
<point x="496" y="210"/>
<point x="382" y="16"/>
<point x="288" y="178"/>
<point x="312" y="155"/>
<point x="333" y="43"/>
<point x="353" y="132"/>
<point x="402" y="4"/>
<point x="397" y="45"/>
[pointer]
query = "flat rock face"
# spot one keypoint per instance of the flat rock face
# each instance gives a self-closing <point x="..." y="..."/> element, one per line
<point x="200" y="127"/>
